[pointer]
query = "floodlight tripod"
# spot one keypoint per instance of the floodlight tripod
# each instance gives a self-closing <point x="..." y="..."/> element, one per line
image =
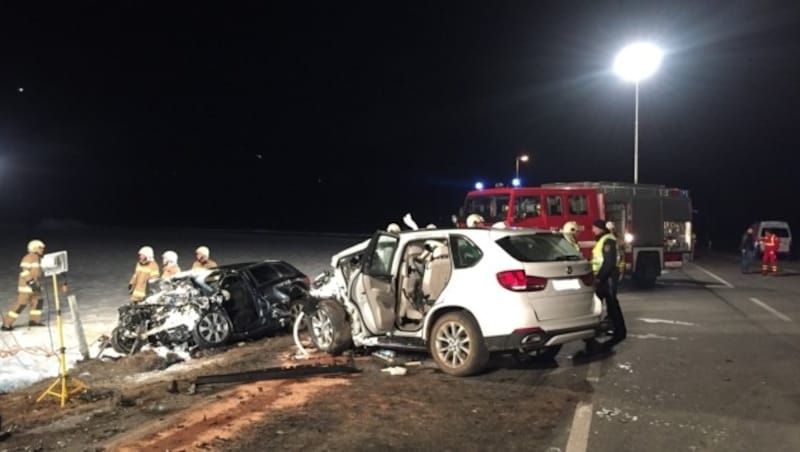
<point x="63" y="379"/>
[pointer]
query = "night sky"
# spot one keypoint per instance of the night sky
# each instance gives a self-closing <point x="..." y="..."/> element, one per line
<point x="344" y="116"/>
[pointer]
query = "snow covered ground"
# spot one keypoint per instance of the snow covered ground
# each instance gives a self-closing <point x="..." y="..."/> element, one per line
<point x="101" y="262"/>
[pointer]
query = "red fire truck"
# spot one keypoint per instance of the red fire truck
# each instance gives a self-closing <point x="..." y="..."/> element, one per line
<point x="655" y="221"/>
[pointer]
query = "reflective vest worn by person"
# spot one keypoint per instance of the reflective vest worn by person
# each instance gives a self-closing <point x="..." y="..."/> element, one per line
<point x="770" y="257"/>
<point x="29" y="287"/>
<point x="597" y="254"/>
<point x="146" y="269"/>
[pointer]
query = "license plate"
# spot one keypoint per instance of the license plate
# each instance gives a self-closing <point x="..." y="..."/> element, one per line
<point x="566" y="284"/>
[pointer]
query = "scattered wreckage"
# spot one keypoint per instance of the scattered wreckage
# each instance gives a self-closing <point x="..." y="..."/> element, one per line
<point x="210" y="307"/>
<point x="459" y="294"/>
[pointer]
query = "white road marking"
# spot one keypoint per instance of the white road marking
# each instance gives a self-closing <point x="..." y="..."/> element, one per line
<point x="579" y="433"/>
<point x="578" y="440"/>
<point x="669" y="322"/>
<point x="653" y="336"/>
<point x="769" y="308"/>
<point x="726" y="283"/>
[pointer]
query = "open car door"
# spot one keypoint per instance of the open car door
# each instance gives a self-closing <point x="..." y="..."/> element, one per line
<point x="378" y="281"/>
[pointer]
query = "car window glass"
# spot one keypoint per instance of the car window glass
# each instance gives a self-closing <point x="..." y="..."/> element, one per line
<point x="780" y="232"/>
<point x="554" y="205"/>
<point x="527" y="206"/>
<point x="492" y="208"/>
<point x="577" y="205"/>
<point x="465" y="253"/>
<point x="380" y="262"/>
<point x="264" y="273"/>
<point x="539" y="248"/>
<point x="285" y="270"/>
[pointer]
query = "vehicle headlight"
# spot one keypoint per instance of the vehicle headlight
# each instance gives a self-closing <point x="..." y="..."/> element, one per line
<point x="628" y="237"/>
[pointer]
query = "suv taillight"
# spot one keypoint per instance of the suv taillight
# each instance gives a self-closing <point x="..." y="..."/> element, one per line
<point x="588" y="279"/>
<point x="518" y="281"/>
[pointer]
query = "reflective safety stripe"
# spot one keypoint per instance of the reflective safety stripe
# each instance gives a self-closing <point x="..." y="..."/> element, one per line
<point x="13" y="314"/>
<point x="24" y="273"/>
<point x="29" y="265"/>
<point x="24" y="289"/>
<point x="138" y="293"/>
<point x="36" y="312"/>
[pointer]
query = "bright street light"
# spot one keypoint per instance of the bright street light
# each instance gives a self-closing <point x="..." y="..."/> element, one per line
<point x="521" y="158"/>
<point x="635" y="63"/>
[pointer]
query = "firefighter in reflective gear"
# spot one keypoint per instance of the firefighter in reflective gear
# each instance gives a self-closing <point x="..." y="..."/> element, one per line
<point x="202" y="254"/>
<point x="170" y="262"/>
<point x="620" y="248"/>
<point x="569" y="230"/>
<point x="769" y="260"/>
<point x="146" y="269"/>
<point x="29" y="287"/>
<point x="605" y="268"/>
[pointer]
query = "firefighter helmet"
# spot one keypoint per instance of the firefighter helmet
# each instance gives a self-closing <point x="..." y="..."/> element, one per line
<point x="474" y="220"/>
<point x="430" y="226"/>
<point x="170" y="257"/>
<point x="393" y="228"/>
<point x="34" y="245"/>
<point x="203" y="251"/>
<point x="147" y="252"/>
<point x="610" y="226"/>
<point x="570" y="227"/>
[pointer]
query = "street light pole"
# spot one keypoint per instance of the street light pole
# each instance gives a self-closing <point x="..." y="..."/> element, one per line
<point x="520" y="158"/>
<point x="636" y="139"/>
<point x="635" y="63"/>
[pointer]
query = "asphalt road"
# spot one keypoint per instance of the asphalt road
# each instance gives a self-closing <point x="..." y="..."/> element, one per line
<point x="711" y="363"/>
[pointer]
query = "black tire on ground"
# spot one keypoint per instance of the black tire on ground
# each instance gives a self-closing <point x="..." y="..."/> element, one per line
<point x="645" y="283"/>
<point x="329" y="328"/>
<point x="122" y="343"/>
<point x="213" y="329"/>
<point x="457" y="345"/>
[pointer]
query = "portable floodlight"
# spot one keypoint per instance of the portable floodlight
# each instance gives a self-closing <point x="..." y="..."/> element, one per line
<point x="54" y="263"/>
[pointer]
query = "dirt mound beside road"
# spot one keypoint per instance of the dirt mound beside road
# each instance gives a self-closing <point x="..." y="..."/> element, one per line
<point x="130" y="407"/>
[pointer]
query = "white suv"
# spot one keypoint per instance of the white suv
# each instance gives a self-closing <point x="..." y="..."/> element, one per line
<point x="459" y="293"/>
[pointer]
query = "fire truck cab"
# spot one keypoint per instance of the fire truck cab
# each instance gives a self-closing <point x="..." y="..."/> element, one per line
<point x="653" y="221"/>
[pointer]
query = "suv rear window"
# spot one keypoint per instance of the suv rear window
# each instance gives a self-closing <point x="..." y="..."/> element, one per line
<point x="539" y="248"/>
<point x="780" y="232"/>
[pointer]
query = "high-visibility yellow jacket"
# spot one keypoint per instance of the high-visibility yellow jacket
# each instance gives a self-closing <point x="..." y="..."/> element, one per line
<point x="170" y="270"/>
<point x="30" y="269"/>
<point x="141" y="274"/>
<point x="597" y="254"/>
<point x="207" y="264"/>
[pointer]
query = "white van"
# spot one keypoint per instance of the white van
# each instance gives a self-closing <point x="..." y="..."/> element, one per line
<point x="780" y="228"/>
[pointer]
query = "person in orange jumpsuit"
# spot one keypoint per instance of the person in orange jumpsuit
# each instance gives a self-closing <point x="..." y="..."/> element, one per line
<point x="769" y="259"/>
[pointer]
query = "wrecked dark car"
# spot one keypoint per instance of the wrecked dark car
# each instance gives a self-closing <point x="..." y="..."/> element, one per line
<point x="210" y="307"/>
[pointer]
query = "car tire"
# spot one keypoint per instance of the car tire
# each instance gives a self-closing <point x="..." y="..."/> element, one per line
<point x="121" y="343"/>
<point x="214" y="328"/>
<point x="457" y="345"/>
<point x="329" y="328"/>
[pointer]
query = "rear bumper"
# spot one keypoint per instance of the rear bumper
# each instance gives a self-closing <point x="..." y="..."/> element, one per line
<point x="534" y="338"/>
